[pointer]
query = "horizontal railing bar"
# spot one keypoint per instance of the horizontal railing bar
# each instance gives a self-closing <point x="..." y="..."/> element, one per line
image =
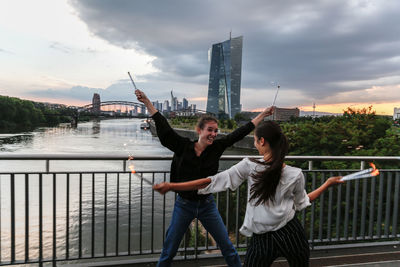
<point x="162" y="172"/>
<point x="85" y="172"/>
<point x="15" y="156"/>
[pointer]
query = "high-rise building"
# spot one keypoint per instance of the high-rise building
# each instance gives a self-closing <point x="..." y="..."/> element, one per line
<point x="96" y="103"/>
<point x="225" y="77"/>
<point x="185" y="103"/>
<point x="166" y="106"/>
<point x="174" y="102"/>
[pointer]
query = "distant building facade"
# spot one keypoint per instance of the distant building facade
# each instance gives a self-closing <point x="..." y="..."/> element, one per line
<point x="225" y="77"/>
<point x="166" y="107"/>
<point x="96" y="103"/>
<point x="284" y="114"/>
<point x="396" y="114"/>
<point x="185" y="104"/>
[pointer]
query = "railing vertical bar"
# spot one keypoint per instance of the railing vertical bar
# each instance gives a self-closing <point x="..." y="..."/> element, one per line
<point x="347" y="211"/>
<point x="54" y="219"/>
<point x="330" y="196"/>
<point x="117" y="220"/>
<point x="12" y="196"/>
<point x="227" y="210"/>
<point x="152" y="216"/>
<point x="0" y="218"/>
<point x="141" y="214"/>
<point x="380" y="203"/>
<point x="217" y="204"/>
<point x="330" y="203"/>
<point x="372" y="208"/>
<point x="321" y="210"/>
<point x="93" y="213"/>
<point x="40" y="218"/>
<point x="303" y="212"/>
<point x="363" y="208"/>
<point x="67" y="219"/>
<point x="196" y="237"/>
<point x="355" y="209"/>
<point x="105" y="216"/>
<point x="163" y="217"/>
<point x="338" y="210"/>
<point x="237" y="216"/>
<point x="312" y="208"/>
<point x="26" y="217"/>
<point x="396" y="204"/>
<point x="185" y="243"/>
<point x="80" y="217"/>
<point x="129" y="212"/>
<point x="388" y="197"/>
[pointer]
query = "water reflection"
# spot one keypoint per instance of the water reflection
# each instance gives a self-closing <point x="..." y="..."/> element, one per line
<point x="103" y="137"/>
<point x="96" y="128"/>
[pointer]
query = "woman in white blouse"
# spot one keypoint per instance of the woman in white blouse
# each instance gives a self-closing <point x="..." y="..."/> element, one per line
<point x="275" y="193"/>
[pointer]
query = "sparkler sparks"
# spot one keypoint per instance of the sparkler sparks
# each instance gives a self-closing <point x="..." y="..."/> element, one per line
<point x="132" y="168"/>
<point x="371" y="172"/>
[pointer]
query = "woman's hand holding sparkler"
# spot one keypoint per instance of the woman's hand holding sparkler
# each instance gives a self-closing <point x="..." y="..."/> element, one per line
<point x="331" y="181"/>
<point x="141" y="97"/>
<point x="265" y="113"/>
<point x="164" y="187"/>
<point x="268" y="111"/>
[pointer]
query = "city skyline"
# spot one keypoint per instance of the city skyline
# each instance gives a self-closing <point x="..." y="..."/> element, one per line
<point x="337" y="54"/>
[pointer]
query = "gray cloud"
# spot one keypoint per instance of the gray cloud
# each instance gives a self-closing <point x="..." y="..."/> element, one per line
<point x="320" y="48"/>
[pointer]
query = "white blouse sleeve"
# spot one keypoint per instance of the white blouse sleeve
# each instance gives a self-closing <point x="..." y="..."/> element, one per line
<point x="230" y="178"/>
<point x="301" y="199"/>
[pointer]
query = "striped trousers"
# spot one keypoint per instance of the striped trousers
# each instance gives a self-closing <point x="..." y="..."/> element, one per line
<point x="289" y="242"/>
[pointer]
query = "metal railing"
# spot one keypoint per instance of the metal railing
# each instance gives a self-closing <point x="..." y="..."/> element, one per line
<point x="51" y="214"/>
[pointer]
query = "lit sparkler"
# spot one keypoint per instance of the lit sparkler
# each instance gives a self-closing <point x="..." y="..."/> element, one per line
<point x="371" y="172"/>
<point x="132" y="168"/>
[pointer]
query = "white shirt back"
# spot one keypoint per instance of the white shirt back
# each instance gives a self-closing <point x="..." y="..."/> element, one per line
<point x="290" y="196"/>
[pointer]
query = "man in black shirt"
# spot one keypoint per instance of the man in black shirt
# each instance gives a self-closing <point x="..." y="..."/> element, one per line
<point x="193" y="160"/>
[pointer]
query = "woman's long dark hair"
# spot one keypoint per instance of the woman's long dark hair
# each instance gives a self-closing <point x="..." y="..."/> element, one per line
<point x="266" y="181"/>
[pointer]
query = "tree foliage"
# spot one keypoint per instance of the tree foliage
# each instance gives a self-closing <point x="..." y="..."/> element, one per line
<point x="23" y="115"/>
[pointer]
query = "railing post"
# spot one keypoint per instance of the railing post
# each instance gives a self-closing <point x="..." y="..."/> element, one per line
<point x="310" y="165"/>
<point x="47" y="165"/>
<point x="362" y="165"/>
<point x="12" y="189"/>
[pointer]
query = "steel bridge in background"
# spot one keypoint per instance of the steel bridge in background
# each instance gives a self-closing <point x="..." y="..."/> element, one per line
<point x="89" y="107"/>
<point x="85" y="216"/>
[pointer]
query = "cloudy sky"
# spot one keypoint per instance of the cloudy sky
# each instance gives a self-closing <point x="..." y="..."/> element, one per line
<point x="337" y="53"/>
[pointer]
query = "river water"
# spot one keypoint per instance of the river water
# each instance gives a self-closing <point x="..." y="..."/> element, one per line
<point x="102" y="137"/>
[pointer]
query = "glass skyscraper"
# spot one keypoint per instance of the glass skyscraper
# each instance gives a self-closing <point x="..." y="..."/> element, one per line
<point x="225" y="77"/>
